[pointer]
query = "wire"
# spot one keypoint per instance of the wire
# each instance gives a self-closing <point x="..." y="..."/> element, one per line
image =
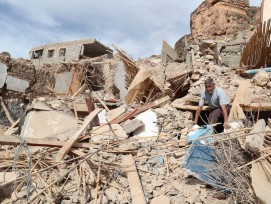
<point x="22" y="147"/>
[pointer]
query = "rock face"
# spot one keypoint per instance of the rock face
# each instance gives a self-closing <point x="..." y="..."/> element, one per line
<point x="229" y="23"/>
<point x="222" y="17"/>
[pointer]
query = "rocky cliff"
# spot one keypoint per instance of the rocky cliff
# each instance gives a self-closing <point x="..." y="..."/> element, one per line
<point x="222" y="17"/>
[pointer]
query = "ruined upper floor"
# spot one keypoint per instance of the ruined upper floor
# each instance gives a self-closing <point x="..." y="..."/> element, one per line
<point x="222" y="17"/>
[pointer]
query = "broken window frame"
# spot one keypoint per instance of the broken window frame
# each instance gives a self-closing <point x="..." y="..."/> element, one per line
<point x="50" y="53"/>
<point x="36" y="54"/>
<point x="62" y="52"/>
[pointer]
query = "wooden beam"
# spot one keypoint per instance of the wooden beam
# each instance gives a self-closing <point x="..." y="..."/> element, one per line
<point x="190" y="107"/>
<point x="80" y="107"/>
<point x="136" y="111"/>
<point x="83" y="88"/>
<point x="67" y="146"/>
<point x="256" y="107"/>
<point x="12" y="129"/>
<point x="6" y="111"/>
<point x="246" y="108"/>
<point x="12" y="140"/>
<point x="137" y="193"/>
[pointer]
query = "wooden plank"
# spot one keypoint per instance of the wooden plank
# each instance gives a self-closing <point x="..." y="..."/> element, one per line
<point x="12" y="140"/>
<point x="12" y="129"/>
<point x="256" y="107"/>
<point x="137" y="193"/>
<point x="136" y="111"/>
<point x="77" y="75"/>
<point x="246" y="108"/>
<point x="6" y="111"/>
<point x="189" y="107"/>
<point x="83" y="88"/>
<point x="80" y="107"/>
<point x="67" y="146"/>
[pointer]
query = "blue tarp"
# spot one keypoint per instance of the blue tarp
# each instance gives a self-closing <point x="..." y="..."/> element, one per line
<point x="200" y="162"/>
<point x="208" y="130"/>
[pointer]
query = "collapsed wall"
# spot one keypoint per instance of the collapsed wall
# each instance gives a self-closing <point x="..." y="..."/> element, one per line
<point x="19" y="77"/>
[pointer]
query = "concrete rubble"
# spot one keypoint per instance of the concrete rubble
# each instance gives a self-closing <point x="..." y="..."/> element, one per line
<point x="108" y="129"/>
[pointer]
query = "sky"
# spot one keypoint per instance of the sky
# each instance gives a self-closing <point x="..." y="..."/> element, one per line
<point x="136" y="26"/>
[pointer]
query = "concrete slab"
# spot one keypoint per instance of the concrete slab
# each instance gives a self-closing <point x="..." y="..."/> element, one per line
<point x="104" y="133"/>
<point x="3" y="74"/>
<point x="16" y="84"/>
<point x="132" y="125"/>
<point x="168" y="54"/>
<point x="63" y="82"/>
<point x="48" y="124"/>
<point x="260" y="182"/>
<point x="119" y="80"/>
<point x="40" y="105"/>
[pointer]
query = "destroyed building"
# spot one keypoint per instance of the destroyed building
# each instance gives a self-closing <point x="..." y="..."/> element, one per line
<point x="226" y="25"/>
<point x="67" y="51"/>
<point x="114" y="130"/>
<point x="222" y="17"/>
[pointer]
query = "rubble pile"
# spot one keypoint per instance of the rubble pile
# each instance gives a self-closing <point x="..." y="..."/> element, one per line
<point x="151" y="137"/>
<point x="98" y="73"/>
<point x="108" y="129"/>
<point x="104" y="174"/>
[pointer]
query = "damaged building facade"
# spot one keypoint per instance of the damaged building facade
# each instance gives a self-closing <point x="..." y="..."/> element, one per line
<point x="67" y="51"/>
<point x="226" y="25"/>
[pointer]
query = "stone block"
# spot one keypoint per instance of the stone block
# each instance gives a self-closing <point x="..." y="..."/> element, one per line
<point x="261" y="78"/>
<point x="132" y="125"/>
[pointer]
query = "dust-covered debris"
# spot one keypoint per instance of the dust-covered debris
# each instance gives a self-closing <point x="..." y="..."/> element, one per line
<point x="108" y="129"/>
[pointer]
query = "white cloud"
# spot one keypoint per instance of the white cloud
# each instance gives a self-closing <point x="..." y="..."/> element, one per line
<point x="137" y="26"/>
